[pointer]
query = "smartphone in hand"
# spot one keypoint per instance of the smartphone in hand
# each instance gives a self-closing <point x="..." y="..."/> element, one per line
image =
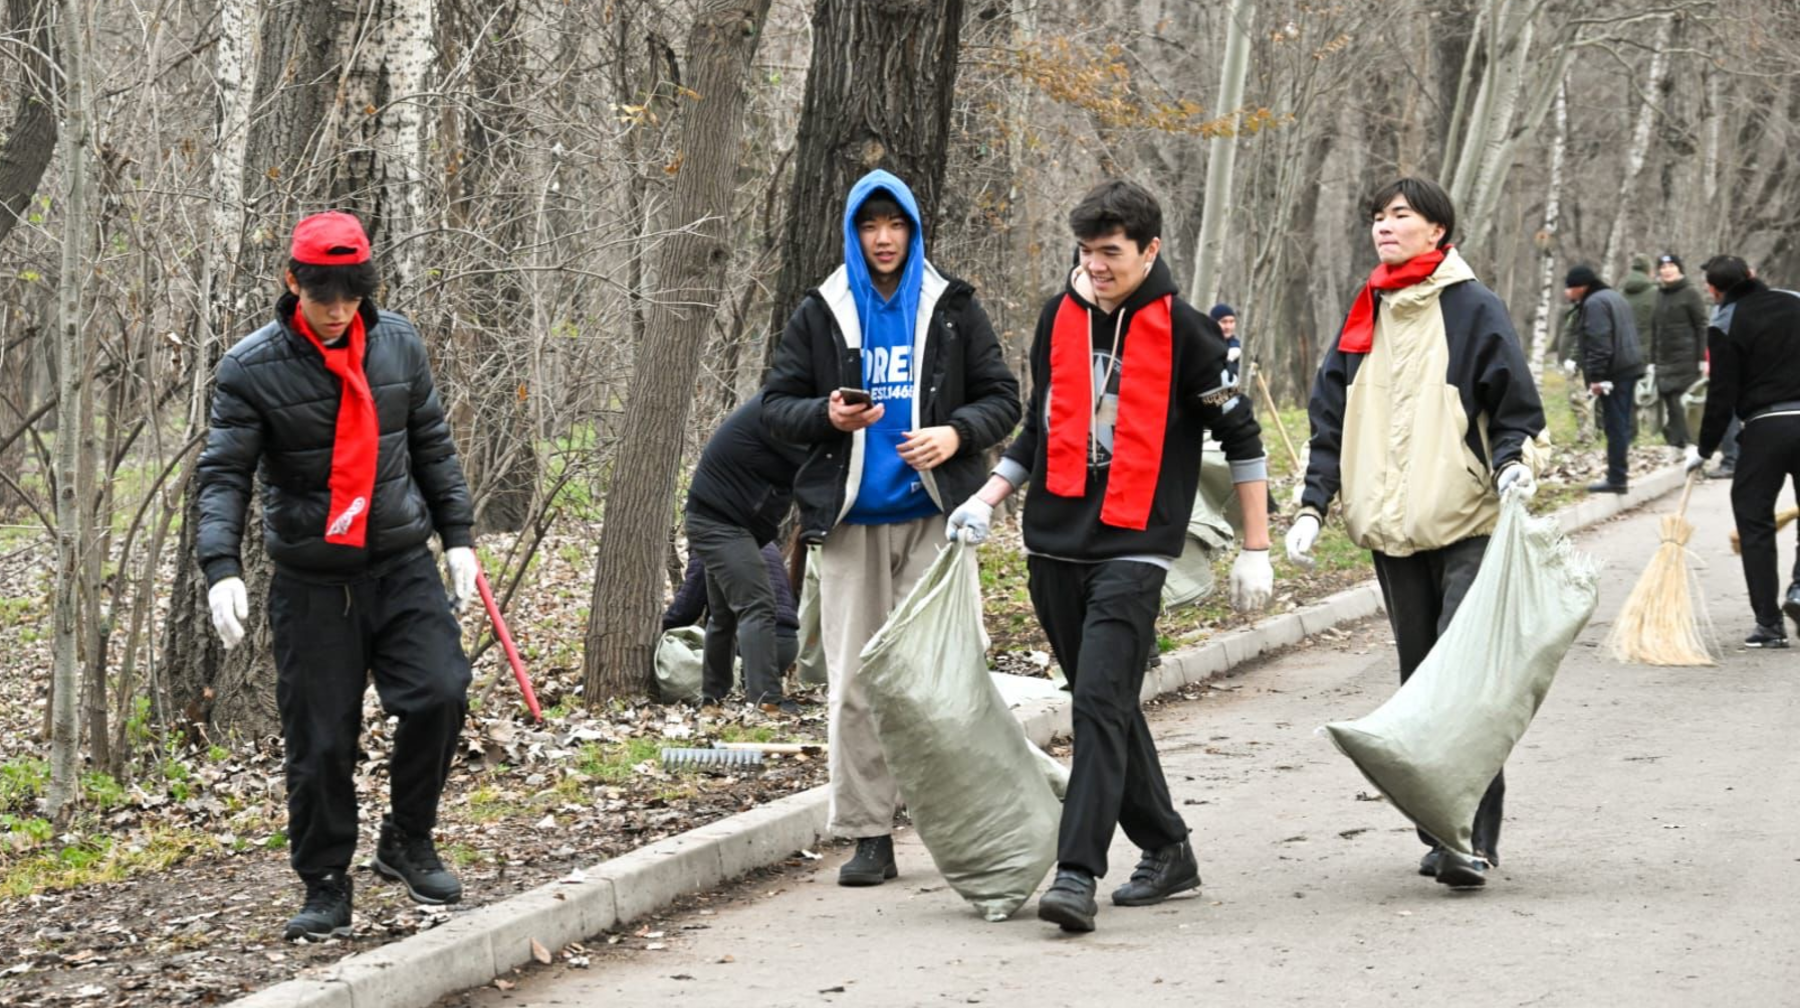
<point x="854" y="396"/>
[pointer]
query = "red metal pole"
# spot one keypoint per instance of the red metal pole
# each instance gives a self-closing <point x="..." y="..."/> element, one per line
<point x="506" y="641"/>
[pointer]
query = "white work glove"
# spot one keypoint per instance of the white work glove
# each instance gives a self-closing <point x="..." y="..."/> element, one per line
<point x="230" y="606"/>
<point x="1300" y="538"/>
<point x="462" y="564"/>
<point x="1606" y="388"/>
<point x="1233" y="353"/>
<point x="1568" y="367"/>
<point x="1691" y="459"/>
<point x="1252" y="580"/>
<point x="1516" y="478"/>
<point x="970" y="520"/>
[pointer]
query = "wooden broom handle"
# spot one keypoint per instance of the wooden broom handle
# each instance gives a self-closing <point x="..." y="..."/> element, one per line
<point x="1275" y="415"/>
<point x="1687" y="488"/>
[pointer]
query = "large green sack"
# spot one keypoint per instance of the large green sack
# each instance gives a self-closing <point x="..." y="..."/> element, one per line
<point x="982" y="797"/>
<point x="678" y="664"/>
<point x="810" y="665"/>
<point x="1210" y="532"/>
<point x="1434" y="746"/>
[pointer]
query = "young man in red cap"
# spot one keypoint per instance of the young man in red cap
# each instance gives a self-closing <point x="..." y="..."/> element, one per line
<point x="334" y="400"/>
<point x="1127" y="380"/>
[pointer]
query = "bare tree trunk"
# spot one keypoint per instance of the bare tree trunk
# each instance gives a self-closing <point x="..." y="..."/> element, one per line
<point x="879" y="90"/>
<point x="1546" y="239"/>
<point x="621" y="629"/>
<point x="32" y="137"/>
<point x="73" y="362"/>
<point x="1640" y="147"/>
<point x="1222" y="156"/>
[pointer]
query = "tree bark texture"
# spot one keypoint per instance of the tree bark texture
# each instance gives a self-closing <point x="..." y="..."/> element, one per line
<point x="1613" y="258"/>
<point x="622" y="625"/>
<point x="31" y="138"/>
<point x="879" y="90"/>
<point x="1221" y="155"/>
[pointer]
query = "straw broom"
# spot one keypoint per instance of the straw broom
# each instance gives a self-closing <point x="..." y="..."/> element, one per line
<point x="1782" y="520"/>
<point x="1657" y="625"/>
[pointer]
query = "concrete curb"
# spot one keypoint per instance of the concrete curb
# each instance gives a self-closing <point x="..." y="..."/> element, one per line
<point x="477" y="946"/>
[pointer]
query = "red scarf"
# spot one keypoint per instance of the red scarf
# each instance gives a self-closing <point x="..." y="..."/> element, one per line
<point x="1359" y="329"/>
<point x="358" y="438"/>
<point x="1143" y="410"/>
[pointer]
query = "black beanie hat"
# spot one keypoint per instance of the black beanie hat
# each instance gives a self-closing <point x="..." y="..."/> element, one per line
<point x="1669" y="257"/>
<point x="1581" y="276"/>
<point x="1221" y="310"/>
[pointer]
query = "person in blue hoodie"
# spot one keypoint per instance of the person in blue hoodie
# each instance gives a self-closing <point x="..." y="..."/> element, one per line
<point x="928" y="392"/>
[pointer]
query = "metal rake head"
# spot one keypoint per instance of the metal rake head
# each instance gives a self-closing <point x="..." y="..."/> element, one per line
<point x="676" y="758"/>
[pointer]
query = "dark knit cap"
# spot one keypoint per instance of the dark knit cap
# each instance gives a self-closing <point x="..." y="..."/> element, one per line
<point x="1581" y="276"/>
<point x="1221" y="310"/>
<point x="1670" y="257"/>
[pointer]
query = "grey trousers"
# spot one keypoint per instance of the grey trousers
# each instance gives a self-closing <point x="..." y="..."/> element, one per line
<point x="740" y="611"/>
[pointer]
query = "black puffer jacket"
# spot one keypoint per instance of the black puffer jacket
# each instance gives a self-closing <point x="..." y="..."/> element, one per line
<point x="1678" y="336"/>
<point x="963" y="383"/>
<point x="275" y="407"/>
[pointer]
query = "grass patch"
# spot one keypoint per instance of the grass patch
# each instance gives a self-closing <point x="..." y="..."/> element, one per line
<point x="616" y="763"/>
<point x="99" y="859"/>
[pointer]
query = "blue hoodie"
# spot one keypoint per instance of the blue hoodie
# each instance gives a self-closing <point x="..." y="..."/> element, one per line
<point x="890" y="491"/>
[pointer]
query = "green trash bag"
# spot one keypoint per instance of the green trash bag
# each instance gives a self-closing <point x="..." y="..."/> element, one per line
<point x="982" y="797"/>
<point x="678" y="664"/>
<point x="810" y="665"/>
<point x="1210" y="531"/>
<point x="1434" y="746"/>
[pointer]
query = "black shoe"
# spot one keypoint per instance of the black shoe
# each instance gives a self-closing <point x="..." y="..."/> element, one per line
<point x="1605" y="487"/>
<point x="326" y="913"/>
<point x="1791" y="605"/>
<point x="1723" y="472"/>
<point x="780" y="708"/>
<point x="1428" y="865"/>
<point x="413" y="861"/>
<point x="1159" y="875"/>
<point x="1766" y="637"/>
<point x="1460" y="872"/>
<point x="872" y="865"/>
<point x="1069" y="902"/>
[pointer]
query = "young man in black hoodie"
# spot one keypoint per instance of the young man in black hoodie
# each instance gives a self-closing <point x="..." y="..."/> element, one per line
<point x="1754" y="342"/>
<point x="334" y="401"/>
<point x="1127" y="379"/>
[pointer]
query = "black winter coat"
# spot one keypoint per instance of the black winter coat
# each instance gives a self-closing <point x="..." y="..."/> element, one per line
<point x="964" y="383"/>
<point x="745" y="478"/>
<point x="1678" y="336"/>
<point x="1610" y="350"/>
<point x="274" y="414"/>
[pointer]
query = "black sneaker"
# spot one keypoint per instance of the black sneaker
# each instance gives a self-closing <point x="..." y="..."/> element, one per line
<point x="873" y="863"/>
<point x="1766" y="637"/>
<point x="1723" y="472"/>
<point x="1428" y="865"/>
<point x="780" y="708"/>
<point x="1791" y="604"/>
<point x="1069" y="902"/>
<point x="1605" y="487"/>
<point x="1159" y="875"/>
<point x="413" y="861"/>
<point x="1460" y="871"/>
<point x="326" y="913"/>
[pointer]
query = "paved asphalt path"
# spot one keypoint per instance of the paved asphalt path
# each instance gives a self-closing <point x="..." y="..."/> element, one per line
<point x="1649" y="857"/>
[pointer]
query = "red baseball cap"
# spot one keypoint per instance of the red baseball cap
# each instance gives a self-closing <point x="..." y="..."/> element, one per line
<point x="333" y="238"/>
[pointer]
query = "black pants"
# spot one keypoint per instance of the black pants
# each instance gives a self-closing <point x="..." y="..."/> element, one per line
<point x="740" y="611"/>
<point x="1768" y="456"/>
<point x="328" y="637"/>
<point x="1422" y="593"/>
<point x="1675" y="425"/>
<point x="1616" y="418"/>
<point x="1101" y="621"/>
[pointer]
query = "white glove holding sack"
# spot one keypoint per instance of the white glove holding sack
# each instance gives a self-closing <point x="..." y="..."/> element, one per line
<point x="463" y="565"/>
<point x="230" y="605"/>
<point x="971" y="521"/>
<point x="1252" y="580"/>
<point x="1516" y="478"/>
<point x="1300" y="538"/>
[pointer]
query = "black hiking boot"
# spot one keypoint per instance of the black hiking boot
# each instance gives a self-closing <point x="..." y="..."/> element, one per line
<point x="1159" y="875"/>
<point x="1766" y="637"/>
<point x="326" y="913"/>
<point x="1428" y="865"/>
<point x="1069" y="902"/>
<point x="413" y="861"/>
<point x="872" y="865"/>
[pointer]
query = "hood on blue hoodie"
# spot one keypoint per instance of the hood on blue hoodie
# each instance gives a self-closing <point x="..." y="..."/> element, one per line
<point x="868" y="299"/>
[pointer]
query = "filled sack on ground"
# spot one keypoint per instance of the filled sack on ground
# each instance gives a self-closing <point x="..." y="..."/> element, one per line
<point x="678" y="664"/>
<point x="809" y="666"/>
<point x="1435" y="744"/>
<point x="1210" y="532"/>
<point x="979" y="793"/>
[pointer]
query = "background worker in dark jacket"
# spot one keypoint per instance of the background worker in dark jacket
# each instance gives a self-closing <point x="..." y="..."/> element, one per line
<point x="741" y="490"/>
<point x="881" y="470"/>
<point x="335" y="402"/>
<point x="1611" y="361"/>
<point x="1677" y="344"/>
<point x="1755" y="346"/>
<point x="1640" y="292"/>
<point x="1127" y="380"/>
<point x="689" y="606"/>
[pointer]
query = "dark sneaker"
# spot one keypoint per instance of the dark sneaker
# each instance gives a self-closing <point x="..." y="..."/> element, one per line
<point x="780" y="708"/>
<point x="1428" y="865"/>
<point x="1791" y="605"/>
<point x="1766" y="637"/>
<point x="326" y="913"/>
<point x="1605" y="487"/>
<point x="873" y="863"/>
<point x="1069" y="902"/>
<point x="1723" y="472"/>
<point x="413" y="861"/>
<point x="1159" y="875"/>
<point x="1461" y="872"/>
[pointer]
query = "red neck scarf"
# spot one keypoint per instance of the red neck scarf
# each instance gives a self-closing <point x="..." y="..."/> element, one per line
<point x="1359" y="328"/>
<point x="358" y="437"/>
<point x="1143" y="410"/>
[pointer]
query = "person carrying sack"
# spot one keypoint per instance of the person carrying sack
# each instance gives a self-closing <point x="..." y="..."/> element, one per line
<point x="1127" y="380"/>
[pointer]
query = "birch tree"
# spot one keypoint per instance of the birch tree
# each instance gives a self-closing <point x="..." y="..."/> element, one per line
<point x="1222" y="154"/>
<point x="1639" y="148"/>
<point x="1546" y="238"/>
